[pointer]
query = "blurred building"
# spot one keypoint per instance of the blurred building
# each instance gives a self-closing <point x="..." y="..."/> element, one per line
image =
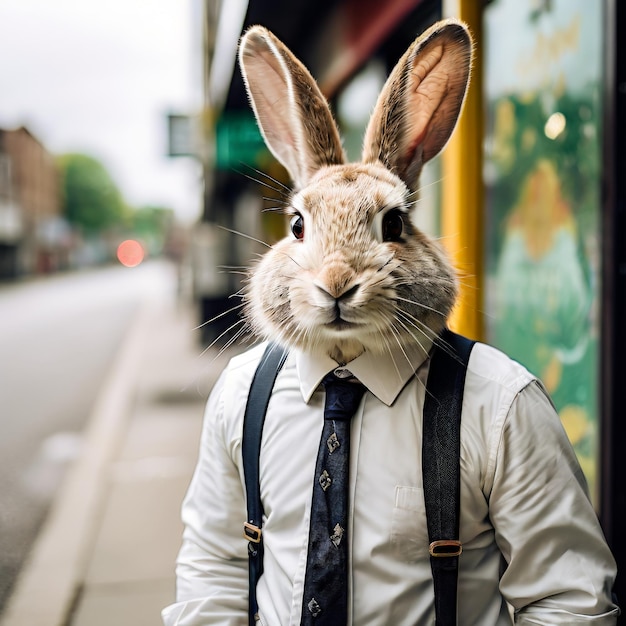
<point x="529" y="196"/>
<point x="33" y="234"/>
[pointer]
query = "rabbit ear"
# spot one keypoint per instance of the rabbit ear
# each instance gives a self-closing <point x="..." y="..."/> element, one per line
<point x="292" y="113"/>
<point x="421" y="101"/>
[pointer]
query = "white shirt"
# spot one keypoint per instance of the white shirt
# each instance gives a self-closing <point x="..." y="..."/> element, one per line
<point x="530" y="536"/>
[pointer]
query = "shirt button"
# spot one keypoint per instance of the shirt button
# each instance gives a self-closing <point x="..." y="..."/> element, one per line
<point x="342" y="372"/>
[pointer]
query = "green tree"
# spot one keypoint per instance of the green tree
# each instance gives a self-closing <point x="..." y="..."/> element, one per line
<point x="91" y="199"/>
<point x="151" y="220"/>
<point x="152" y="225"/>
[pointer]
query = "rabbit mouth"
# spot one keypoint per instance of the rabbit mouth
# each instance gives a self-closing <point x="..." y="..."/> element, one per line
<point x="340" y="324"/>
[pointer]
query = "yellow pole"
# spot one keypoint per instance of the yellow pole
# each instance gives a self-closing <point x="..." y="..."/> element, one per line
<point x="462" y="192"/>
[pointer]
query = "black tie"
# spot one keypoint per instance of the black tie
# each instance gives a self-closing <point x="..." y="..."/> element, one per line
<point x="326" y="581"/>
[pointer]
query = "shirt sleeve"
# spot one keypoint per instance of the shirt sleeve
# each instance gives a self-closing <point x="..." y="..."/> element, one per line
<point x="212" y="565"/>
<point x="559" y="569"/>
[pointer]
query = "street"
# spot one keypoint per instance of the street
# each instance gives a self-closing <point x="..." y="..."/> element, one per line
<point x="58" y="337"/>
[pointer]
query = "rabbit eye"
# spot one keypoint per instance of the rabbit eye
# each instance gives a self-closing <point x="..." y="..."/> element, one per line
<point x="393" y="225"/>
<point x="297" y="226"/>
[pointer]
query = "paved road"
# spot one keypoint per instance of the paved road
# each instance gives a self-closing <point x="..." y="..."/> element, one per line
<point x="58" y="338"/>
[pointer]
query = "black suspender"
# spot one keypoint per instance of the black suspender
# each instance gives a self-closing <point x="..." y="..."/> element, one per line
<point x="440" y="464"/>
<point x="441" y="476"/>
<point x="258" y="399"/>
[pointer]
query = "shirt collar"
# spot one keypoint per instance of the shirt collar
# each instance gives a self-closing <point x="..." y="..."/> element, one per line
<point x="384" y="375"/>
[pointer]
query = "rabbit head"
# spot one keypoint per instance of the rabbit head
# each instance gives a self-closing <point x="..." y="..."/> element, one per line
<point x="355" y="273"/>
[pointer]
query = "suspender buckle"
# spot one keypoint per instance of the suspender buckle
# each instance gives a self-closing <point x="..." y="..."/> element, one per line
<point x="445" y="548"/>
<point x="251" y="532"/>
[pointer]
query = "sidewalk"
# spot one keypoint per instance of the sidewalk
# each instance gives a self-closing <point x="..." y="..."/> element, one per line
<point x="107" y="552"/>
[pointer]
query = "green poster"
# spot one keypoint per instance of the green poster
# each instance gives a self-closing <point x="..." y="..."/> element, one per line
<point x="543" y="84"/>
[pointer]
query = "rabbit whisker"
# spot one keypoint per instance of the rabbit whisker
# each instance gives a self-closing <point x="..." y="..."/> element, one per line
<point x="217" y="317"/>
<point x="410" y="332"/>
<point x="415" y="373"/>
<point x="385" y="264"/>
<point x="280" y="189"/>
<point x="260" y="182"/>
<point x="231" y="341"/>
<point x="438" y="280"/>
<point x="420" y="305"/>
<point x="427" y="186"/>
<point x="465" y="284"/>
<point x="230" y="328"/>
<point x="417" y="377"/>
<point x="436" y="339"/>
<point x="283" y="201"/>
<point x="292" y="260"/>
<point x="419" y="325"/>
<point x="233" y="272"/>
<point x="236" y="232"/>
<point x="396" y="336"/>
<point x="274" y="180"/>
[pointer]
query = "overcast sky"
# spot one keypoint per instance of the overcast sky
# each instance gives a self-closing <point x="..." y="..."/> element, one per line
<point x="100" y="77"/>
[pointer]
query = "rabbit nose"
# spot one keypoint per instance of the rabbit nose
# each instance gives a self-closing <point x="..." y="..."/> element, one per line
<point x="339" y="293"/>
<point x="336" y="279"/>
<point x="348" y="293"/>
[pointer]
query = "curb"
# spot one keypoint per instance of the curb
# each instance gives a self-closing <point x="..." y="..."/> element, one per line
<point x="48" y="584"/>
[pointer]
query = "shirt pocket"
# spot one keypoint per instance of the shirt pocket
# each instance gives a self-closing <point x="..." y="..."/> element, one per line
<point x="409" y="532"/>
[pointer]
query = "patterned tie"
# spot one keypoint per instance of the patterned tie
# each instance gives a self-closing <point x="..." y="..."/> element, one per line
<point x="326" y="580"/>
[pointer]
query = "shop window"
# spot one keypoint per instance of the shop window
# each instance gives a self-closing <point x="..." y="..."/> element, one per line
<point x="543" y="168"/>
